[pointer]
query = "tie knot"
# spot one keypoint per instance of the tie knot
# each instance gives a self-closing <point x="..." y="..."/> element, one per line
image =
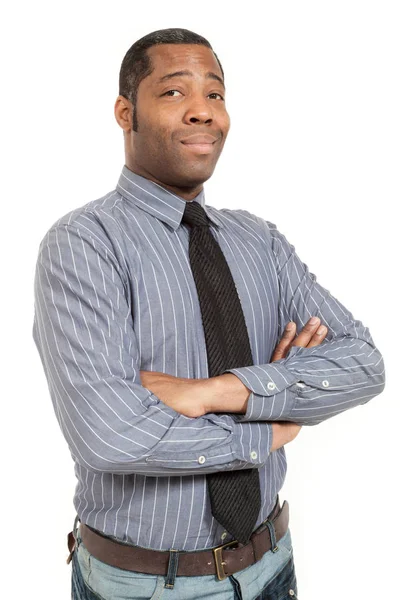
<point x="195" y="215"/>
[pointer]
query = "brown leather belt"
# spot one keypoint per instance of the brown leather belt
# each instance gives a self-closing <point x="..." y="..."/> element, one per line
<point x="222" y="560"/>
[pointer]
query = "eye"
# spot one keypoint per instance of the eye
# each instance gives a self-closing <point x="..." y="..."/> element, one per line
<point x="216" y="94"/>
<point x="170" y="92"/>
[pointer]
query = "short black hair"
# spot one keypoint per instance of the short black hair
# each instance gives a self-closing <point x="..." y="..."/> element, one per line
<point x="136" y="64"/>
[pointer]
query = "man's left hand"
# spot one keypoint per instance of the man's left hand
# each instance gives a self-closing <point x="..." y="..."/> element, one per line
<point x="311" y="335"/>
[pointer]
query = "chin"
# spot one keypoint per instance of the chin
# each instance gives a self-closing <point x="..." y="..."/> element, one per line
<point x="196" y="176"/>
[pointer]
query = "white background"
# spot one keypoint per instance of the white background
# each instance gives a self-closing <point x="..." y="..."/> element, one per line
<point x="313" y="95"/>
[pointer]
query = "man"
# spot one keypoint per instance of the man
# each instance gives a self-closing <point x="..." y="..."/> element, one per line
<point x="121" y="328"/>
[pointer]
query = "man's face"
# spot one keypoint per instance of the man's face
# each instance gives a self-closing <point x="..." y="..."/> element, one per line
<point x="182" y="119"/>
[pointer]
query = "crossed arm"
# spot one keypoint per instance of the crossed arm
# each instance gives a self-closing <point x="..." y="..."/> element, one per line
<point x="306" y="381"/>
<point x="226" y="393"/>
<point x="112" y="420"/>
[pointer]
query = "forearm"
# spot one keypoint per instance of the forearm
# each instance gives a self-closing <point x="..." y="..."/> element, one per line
<point x="320" y="383"/>
<point x="325" y="380"/>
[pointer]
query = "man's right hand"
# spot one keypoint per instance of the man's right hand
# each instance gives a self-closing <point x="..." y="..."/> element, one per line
<point x="284" y="432"/>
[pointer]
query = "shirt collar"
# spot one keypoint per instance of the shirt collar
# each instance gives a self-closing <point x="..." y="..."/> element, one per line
<point x="157" y="200"/>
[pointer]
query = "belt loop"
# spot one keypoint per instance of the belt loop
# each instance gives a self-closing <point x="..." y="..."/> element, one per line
<point x="272" y="535"/>
<point x="75" y="529"/>
<point x="172" y="568"/>
<point x="72" y="540"/>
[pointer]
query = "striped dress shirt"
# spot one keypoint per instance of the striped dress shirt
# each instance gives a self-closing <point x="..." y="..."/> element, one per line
<point x="114" y="294"/>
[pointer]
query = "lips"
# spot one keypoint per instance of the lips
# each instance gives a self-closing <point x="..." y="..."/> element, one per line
<point x="202" y="143"/>
<point x="198" y="138"/>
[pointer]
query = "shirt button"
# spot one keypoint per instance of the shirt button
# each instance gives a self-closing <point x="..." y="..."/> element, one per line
<point x="300" y="384"/>
<point x="271" y="385"/>
<point x="253" y="454"/>
<point x="223" y="535"/>
<point x="291" y="592"/>
<point x="325" y="383"/>
<point x="202" y="459"/>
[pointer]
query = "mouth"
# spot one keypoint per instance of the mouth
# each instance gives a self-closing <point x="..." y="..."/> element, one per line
<point x="200" y="148"/>
<point x="200" y="143"/>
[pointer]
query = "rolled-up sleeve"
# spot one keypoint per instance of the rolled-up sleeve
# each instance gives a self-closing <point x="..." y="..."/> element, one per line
<point x="83" y="330"/>
<point x="311" y="385"/>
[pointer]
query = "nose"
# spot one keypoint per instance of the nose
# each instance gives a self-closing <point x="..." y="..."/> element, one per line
<point x="199" y="111"/>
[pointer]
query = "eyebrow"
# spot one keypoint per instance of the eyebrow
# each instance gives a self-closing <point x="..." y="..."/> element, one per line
<point x="209" y="75"/>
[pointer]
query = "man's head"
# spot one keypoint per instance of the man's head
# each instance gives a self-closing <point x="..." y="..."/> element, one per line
<point x="171" y="106"/>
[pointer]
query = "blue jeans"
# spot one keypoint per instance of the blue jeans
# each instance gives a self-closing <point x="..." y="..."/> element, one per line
<point x="271" y="578"/>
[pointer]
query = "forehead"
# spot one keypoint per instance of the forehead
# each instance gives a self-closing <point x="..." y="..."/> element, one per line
<point x="193" y="57"/>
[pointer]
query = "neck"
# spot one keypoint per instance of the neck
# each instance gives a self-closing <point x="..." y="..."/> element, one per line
<point x="187" y="193"/>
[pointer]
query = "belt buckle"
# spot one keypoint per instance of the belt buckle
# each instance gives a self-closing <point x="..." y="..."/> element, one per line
<point x="219" y="563"/>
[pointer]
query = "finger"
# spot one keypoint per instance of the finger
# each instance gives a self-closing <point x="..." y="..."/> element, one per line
<point x="318" y="336"/>
<point x="285" y="342"/>
<point x="307" y="333"/>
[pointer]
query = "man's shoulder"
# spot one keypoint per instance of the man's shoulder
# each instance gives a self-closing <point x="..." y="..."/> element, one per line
<point x="93" y="210"/>
<point x="91" y="218"/>
<point x="90" y="233"/>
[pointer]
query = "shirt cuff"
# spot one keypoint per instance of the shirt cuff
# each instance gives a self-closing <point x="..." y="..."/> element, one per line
<point x="252" y="443"/>
<point x="273" y="389"/>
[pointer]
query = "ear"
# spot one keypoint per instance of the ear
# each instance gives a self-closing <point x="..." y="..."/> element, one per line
<point x="123" y="113"/>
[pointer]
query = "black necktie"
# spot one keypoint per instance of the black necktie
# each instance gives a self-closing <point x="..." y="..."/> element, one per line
<point x="234" y="495"/>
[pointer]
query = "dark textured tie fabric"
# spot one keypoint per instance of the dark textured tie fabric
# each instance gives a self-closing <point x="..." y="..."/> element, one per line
<point x="234" y="495"/>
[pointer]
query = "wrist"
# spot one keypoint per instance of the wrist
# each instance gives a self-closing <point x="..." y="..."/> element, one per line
<point x="227" y="394"/>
